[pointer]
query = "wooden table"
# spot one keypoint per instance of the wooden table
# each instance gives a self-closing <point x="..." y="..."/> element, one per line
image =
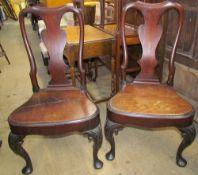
<point x="96" y="43"/>
<point x="131" y="40"/>
<point x="131" y="32"/>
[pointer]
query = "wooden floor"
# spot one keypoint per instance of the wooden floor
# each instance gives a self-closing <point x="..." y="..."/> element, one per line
<point x="138" y="152"/>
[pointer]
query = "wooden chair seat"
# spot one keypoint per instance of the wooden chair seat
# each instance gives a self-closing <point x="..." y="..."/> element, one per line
<point x="56" y="107"/>
<point x="150" y="101"/>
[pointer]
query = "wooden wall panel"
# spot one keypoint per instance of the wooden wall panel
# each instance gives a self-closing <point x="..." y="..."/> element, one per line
<point x="187" y="52"/>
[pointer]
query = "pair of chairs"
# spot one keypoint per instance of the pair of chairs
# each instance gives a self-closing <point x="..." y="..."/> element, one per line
<point x="62" y="108"/>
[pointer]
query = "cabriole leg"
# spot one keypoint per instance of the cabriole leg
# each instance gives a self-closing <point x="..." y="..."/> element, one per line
<point x="96" y="135"/>
<point x="188" y="135"/>
<point x="110" y="128"/>
<point x="15" y="143"/>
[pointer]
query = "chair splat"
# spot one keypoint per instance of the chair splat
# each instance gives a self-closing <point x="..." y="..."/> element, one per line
<point x="150" y="34"/>
<point x="54" y="39"/>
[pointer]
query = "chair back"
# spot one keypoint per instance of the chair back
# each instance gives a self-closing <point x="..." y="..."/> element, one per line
<point x="54" y="39"/>
<point x="149" y="34"/>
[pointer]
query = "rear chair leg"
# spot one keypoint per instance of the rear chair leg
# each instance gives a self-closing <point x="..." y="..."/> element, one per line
<point x="96" y="135"/>
<point x="15" y="143"/>
<point x="188" y="135"/>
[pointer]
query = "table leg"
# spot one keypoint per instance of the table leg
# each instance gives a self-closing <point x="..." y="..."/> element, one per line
<point x="71" y="61"/>
<point x="113" y="76"/>
<point x="117" y="81"/>
<point x="72" y="74"/>
<point x="117" y="63"/>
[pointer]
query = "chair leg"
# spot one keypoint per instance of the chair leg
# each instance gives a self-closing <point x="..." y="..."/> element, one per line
<point x="188" y="134"/>
<point x="4" y="53"/>
<point x="15" y="143"/>
<point x="6" y="58"/>
<point x="110" y="128"/>
<point x="95" y="135"/>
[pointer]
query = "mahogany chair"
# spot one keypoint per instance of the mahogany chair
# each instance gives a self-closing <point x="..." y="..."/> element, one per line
<point x="59" y="108"/>
<point x="146" y="102"/>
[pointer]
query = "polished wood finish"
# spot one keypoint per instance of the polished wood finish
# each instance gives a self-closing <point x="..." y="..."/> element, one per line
<point x="59" y="108"/>
<point x="146" y="103"/>
<point x="91" y="33"/>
